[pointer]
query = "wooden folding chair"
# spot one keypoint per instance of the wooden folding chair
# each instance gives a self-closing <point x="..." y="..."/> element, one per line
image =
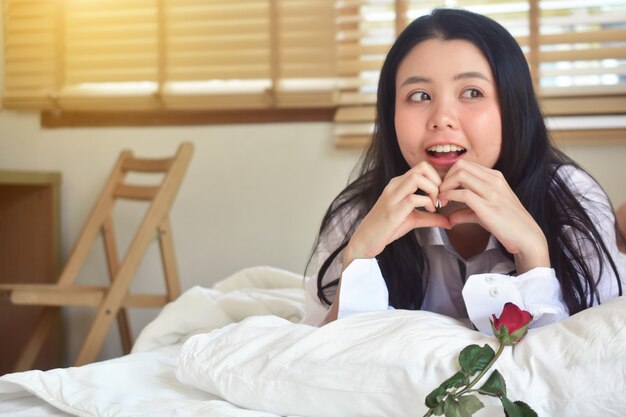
<point x="111" y="301"/>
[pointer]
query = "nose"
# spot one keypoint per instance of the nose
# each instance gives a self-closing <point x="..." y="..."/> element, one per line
<point x="442" y="117"/>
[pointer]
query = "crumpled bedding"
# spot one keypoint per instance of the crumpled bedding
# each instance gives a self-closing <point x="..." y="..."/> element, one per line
<point x="144" y="382"/>
<point x="385" y="363"/>
<point x="236" y="348"/>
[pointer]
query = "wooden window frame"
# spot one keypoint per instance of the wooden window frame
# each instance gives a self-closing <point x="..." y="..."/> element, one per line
<point x="52" y="119"/>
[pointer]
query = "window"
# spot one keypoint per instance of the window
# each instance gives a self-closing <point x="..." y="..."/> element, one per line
<point x="250" y="56"/>
<point x="576" y="50"/>
<point x="168" y="54"/>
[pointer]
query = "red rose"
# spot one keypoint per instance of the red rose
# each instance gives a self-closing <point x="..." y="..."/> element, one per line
<point x="512" y="325"/>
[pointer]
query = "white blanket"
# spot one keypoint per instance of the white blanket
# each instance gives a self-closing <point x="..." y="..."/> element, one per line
<point x="376" y="364"/>
<point x="385" y="363"/>
<point x="144" y="382"/>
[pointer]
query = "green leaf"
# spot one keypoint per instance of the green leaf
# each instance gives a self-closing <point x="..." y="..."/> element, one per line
<point x="495" y="385"/>
<point x="438" y="411"/>
<point x="461" y="408"/>
<point x="474" y="359"/>
<point x="510" y="408"/>
<point x="457" y="380"/>
<point x="517" y="408"/>
<point x="434" y="398"/>
<point x="470" y="403"/>
<point x="526" y="410"/>
<point x="451" y="408"/>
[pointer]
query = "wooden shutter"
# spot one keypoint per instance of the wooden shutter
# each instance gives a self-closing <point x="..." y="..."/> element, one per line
<point x="575" y="49"/>
<point x="582" y="56"/>
<point x="109" y="55"/>
<point x="365" y="31"/>
<point x="169" y="54"/>
<point x="30" y="73"/>
<point x="218" y="54"/>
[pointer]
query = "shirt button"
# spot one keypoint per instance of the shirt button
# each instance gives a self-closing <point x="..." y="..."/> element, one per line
<point x="490" y="279"/>
<point x="494" y="291"/>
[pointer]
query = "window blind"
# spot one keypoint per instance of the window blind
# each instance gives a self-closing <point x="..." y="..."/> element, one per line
<point x="258" y="54"/>
<point x="169" y="54"/>
<point x="575" y="49"/>
<point x="30" y="72"/>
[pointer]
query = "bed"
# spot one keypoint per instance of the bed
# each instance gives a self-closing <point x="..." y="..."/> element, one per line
<point x="237" y="349"/>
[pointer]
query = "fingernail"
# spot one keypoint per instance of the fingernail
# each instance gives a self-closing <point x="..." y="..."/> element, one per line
<point x="438" y="204"/>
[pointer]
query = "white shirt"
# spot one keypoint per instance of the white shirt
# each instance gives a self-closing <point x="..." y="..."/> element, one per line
<point x="474" y="288"/>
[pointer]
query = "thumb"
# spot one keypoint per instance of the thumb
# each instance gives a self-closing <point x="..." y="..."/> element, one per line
<point x="463" y="216"/>
<point x="425" y="219"/>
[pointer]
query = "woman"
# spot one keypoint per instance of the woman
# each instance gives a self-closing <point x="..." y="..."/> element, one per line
<point x="462" y="203"/>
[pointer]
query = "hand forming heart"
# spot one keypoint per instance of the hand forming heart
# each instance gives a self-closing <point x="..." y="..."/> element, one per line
<point x="469" y="193"/>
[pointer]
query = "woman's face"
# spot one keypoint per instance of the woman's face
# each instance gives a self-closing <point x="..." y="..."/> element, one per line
<point x="447" y="106"/>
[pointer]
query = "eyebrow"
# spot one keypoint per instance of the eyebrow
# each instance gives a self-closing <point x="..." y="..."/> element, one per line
<point x="471" y="74"/>
<point x="416" y="79"/>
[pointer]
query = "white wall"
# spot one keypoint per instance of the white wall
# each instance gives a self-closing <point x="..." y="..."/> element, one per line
<point x="254" y="194"/>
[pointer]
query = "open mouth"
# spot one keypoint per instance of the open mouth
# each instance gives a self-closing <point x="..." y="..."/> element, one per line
<point x="446" y="151"/>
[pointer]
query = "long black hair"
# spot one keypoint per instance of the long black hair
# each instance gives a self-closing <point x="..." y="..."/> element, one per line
<point x="529" y="163"/>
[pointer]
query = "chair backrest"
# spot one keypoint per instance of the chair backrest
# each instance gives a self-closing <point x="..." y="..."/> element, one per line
<point x="159" y="196"/>
<point x="122" y="273"/>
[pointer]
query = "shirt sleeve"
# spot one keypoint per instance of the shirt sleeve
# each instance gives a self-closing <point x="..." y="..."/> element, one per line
<point x="536" y="291"/>
<point x="363" y="288"/>
<point x="329" y="241"/>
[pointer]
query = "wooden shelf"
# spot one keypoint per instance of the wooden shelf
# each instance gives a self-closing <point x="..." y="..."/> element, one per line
<point x="29" y="253"/>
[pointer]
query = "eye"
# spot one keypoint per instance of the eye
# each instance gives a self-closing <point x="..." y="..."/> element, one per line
<point x="419" y="96"/>
<point x="472" y="93"/>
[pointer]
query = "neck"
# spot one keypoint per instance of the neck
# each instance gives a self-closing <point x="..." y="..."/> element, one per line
<point x="468" y="240"/>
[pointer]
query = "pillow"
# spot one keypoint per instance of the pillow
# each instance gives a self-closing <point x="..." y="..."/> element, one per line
<point x="385" y="363"/>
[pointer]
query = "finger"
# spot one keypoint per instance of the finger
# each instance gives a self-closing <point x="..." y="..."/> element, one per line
<point x="463" y="174"/>
<point x="423" y="219"/>
<point x="428" y="171"/>
<point x="468" y="197"/>
<point x="423" y="169"/>
<point x="473" y="167"/>
<point x="463" y="216"/>
<point x="417" y="220"/>
<point x="413" y="181"/>
<point x="431" y="173"/>
<point x="420" y="201"/>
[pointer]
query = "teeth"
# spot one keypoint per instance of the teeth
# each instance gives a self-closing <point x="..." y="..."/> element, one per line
<point x="445" y="148"/>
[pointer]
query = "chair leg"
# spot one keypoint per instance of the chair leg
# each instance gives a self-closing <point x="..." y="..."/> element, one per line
<point x="100" y="326"/>
<point x="30" y="353"/>
<point x="112" y="302"/>
<point x="123" y="324"/>
<point x="166" y="245"/>
<point x="110" y="247"/>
